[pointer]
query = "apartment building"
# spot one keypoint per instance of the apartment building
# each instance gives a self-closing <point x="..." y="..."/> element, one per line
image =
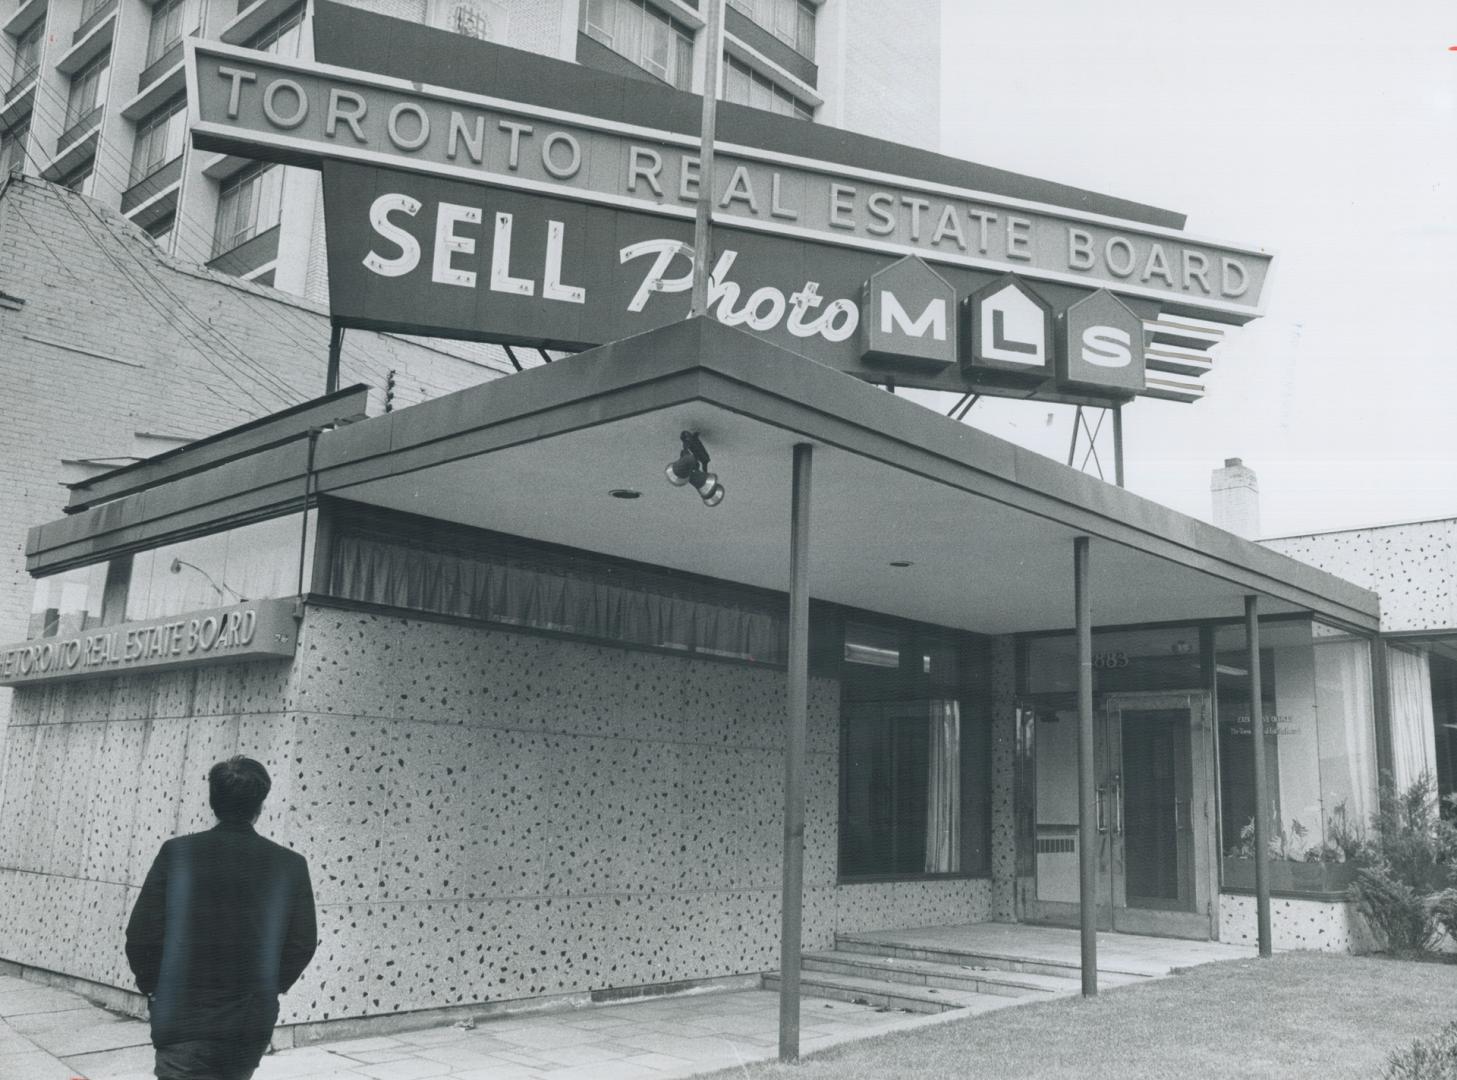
<point x="94" y="98"/>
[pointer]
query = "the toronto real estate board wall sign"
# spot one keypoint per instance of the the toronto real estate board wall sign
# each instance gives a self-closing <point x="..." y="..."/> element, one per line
<point x="251" y="630"/>
<point x="529" y="201"/>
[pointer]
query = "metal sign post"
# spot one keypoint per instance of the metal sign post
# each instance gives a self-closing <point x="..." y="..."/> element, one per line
<point x="703" y="218"/>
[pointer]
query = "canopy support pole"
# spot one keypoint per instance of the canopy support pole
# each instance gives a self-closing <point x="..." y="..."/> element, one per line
<point x="792" y="912"/>
<point x="1262" y="797"/>
<point x="1087" y="792"/>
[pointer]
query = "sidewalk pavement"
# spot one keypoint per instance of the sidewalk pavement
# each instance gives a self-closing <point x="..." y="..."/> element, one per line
<point x="49" y="1034"/>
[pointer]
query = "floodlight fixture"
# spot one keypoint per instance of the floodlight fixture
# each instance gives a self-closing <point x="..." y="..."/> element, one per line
<point x="691" y="467"/>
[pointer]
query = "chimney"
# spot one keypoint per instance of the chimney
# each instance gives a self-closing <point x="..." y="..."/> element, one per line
<point x="1235" y="493"/>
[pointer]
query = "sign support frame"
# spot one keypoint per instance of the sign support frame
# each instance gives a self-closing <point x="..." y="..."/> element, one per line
<point x="703" y="212"/>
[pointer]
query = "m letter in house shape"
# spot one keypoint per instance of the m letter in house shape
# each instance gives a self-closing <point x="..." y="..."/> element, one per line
<point x="1007" y="330"/>
<point x="909" y="317"/>
<point x="1101" y="346"/>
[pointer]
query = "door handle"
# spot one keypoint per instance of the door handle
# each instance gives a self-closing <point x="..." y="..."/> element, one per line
<point x="1102" y="808"/>
<point x="1117" y="786"/>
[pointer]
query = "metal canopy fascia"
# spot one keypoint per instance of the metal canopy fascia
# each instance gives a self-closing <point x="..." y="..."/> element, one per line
<point x="698" y="361"/>
<point x="702" y="360"/>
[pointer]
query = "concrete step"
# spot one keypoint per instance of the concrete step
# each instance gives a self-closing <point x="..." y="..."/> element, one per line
<point x="890" y="995"/>
<point x="953" y="976"/>
<point x="1028" y="965"/>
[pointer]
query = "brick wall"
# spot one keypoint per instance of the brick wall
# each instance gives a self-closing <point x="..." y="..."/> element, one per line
<point x="114" y="338"/>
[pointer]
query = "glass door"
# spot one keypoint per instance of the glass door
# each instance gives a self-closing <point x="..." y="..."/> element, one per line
<point x="1054" y="896"/>
<point x="1154" y="815"/>
<point x="1159" y="787"/>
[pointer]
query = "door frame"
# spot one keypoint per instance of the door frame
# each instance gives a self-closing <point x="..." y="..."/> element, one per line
<point x="1199" y="919"/>
<point x="1113" y="911"/>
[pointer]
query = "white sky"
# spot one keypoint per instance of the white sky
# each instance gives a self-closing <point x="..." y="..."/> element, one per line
<point x="1325" y="131"/>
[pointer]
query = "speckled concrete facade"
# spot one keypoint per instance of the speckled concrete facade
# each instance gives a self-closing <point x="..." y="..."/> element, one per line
<point x="1413" y="567"/>
<point x="1004" y="734"/>
<point x="1326" y="926"/>
<point x="487" y="815"/>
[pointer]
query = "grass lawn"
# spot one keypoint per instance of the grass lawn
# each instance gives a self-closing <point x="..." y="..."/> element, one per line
<point x="1305" y="1015"/>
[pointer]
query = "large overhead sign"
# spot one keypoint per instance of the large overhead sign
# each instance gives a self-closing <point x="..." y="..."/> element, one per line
<point x="459" y="215"/>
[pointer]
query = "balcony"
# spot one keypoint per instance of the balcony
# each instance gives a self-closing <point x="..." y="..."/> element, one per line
<point x="18" y="101"/>
<point x="160" y="82"/>
<point x="154" y="196"/>
<point x="252" y="254"/>
<point x="76" y="147"/>
<point x="96" y="18"/>
<point x="253" y="16"/>
<point x="170" y="58"/>
<point x="99" y="30"/>
<point x="753" y="36"/>
<point x="79" y="129"/>
<point x="24" y="17"/>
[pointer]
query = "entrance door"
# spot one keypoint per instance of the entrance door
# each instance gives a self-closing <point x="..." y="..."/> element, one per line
<point x="1153" y="761"/>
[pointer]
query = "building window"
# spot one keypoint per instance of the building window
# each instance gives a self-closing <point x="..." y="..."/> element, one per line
<point x="88" y="90"/>
<point x="282" y="36"/>
<point x="251" y="562"/>
<point x="742" y="85"/>
<point x="172" y="20"/>
<point x="250" y="203"/>
<point x="90" y="8"/>
<point x="648" y="37"/>
<point x="27" y="56"/>
<point x="1317" y="726"/>
<point x="1442" y="666"/>
<point x="915" y="791"/>
<point x="67" y="603"/>
<point x="13" y="149"/>
<point x="791" y="21"/>
<point x="160" y="138"/>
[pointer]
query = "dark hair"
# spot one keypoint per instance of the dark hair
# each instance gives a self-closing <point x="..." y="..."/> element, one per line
<point x="236" y="789"/>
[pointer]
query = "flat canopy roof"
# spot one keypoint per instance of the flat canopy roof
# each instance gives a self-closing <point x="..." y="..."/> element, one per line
<point x="987" y="526"/>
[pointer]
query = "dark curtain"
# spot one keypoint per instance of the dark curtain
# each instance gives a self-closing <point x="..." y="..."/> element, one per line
<point x="497" y="583"/>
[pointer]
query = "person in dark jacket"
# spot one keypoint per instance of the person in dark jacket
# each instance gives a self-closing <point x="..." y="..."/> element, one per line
<point x="223" y="925"/>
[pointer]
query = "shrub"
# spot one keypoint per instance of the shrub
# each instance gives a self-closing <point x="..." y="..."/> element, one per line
<point x="1431" y="1058"/>
<point x="1407" y="865"/>
<point x="1392" y="908"/>
<point x="1442" y="909"/>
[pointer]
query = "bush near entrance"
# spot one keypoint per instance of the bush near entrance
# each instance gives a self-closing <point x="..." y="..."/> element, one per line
<point x="1406" y="884"/>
